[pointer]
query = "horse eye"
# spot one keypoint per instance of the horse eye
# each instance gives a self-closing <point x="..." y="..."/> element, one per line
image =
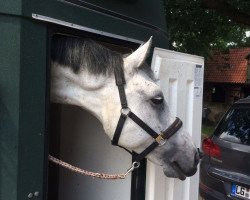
<point x="157" y="100"/>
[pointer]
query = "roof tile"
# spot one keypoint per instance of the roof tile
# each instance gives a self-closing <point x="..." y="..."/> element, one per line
<point x="228" y="67"/>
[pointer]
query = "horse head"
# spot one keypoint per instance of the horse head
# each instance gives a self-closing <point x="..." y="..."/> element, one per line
<point x="83" y="74"/>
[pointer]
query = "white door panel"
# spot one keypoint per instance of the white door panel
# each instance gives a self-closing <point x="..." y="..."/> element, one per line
<point x="181" y="79"/>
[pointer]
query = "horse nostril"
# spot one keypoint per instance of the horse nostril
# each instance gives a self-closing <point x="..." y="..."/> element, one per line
<point x="196" y="158"/>
<point x="200" y="154"/>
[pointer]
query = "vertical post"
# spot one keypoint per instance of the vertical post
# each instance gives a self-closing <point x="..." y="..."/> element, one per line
<point x="138" y="181"/>
<point x="54" y="149"/>
<point x="22" y="108"/>
<point x="248" y="68"/>
<point x="9" y="105"/>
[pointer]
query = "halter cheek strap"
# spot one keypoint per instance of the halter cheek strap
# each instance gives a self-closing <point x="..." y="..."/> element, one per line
<point x="159" y="139"/>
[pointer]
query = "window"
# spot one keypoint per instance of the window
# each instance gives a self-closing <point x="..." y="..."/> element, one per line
<point x="235" y="126"/>
<point x="218" y="94"/>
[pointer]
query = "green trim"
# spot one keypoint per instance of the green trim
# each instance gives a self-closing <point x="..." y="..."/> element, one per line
<point x="22" y="107"/>
<point x="9" y="105"/>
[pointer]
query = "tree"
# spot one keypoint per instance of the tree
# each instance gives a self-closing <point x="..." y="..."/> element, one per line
<point x="237" y="10"/>
<point x="195" y="29"/>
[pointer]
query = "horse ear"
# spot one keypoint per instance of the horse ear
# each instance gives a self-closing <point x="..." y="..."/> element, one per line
<point x="135" y="59"/>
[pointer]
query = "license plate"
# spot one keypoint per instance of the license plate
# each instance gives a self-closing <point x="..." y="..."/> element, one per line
<point x="240" y="191"/>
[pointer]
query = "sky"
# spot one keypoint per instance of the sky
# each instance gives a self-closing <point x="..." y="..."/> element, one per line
<point x="248" y="33"/>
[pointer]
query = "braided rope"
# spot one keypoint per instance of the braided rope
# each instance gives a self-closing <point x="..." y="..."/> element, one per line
<point x="85" y="172"/>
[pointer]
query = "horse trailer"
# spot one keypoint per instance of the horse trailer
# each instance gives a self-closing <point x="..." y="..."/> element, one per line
<point x="31" y="127"/>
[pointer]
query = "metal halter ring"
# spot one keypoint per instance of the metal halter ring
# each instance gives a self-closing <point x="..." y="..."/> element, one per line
<point x="135" y="165"/>
<point x="125" y="111"/>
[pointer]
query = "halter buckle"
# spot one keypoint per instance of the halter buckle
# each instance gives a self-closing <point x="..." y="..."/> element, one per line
<point x="160" y="140"/>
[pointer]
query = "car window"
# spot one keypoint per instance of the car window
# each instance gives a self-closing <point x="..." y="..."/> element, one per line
<point x="235" y="126"/>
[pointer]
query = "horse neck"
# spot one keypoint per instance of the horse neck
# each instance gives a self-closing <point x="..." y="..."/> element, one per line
<point x="80" y="89"/>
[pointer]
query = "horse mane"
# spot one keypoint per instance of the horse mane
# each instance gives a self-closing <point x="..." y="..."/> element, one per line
<point x="77" y="53"/>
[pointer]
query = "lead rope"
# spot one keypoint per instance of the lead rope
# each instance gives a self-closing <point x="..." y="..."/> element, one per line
<point x="72" y="168"/>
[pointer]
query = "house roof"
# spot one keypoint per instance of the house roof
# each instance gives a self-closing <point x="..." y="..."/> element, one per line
<point x="228" y="67"/>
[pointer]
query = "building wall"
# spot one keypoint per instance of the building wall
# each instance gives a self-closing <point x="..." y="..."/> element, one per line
<point x="218" y="98"/>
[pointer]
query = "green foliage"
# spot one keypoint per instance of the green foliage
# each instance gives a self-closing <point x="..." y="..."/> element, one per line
<point x="196" y="30"/>
<point x="207" y="130"/>
<point x="242" y="5"/>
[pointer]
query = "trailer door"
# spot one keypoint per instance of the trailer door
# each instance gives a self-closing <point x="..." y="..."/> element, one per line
<point x="181" y="79"/>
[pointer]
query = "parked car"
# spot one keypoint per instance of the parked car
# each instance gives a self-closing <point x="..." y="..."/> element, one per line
<point x="225" y="167"/>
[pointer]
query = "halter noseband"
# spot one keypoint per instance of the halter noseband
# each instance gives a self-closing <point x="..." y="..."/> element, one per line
<point x="159" y="139"/>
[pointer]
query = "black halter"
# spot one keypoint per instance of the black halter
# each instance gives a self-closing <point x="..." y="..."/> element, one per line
<point x="160" y="139"/>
